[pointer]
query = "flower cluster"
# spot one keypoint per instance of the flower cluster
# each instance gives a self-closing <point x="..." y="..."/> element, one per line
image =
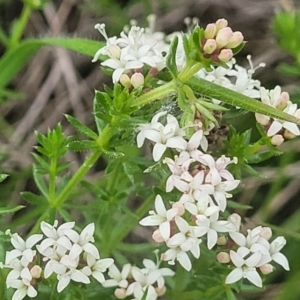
<point x="146" y="283"/>
<point x="132" y="52"/>
<point x="254" y="253"/>
<point x="276" y="129"/>
<point x="204" y="184"/>
<point x="69" y="255"/>
<point x="219" y="40"/>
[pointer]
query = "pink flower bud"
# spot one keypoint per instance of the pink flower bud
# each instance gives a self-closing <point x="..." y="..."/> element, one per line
<point x="36" y="272"/>
<point x="235" y="40"/>
<point x="210" y="46"/>
<point x="210" y="31"/>
<point x="266" y="269"/>
<point x="223" y="258"/>
<point x="266" y="233"/>
<point x="221" y="23"/>
<point x="283" y="100"/>
<point x="277" y="139"/>
<point x="153" y="72"/>
<point x="114" y="51"/>
<point x="180" y="208"/>
<point x="137" y="80"/>
<point x="225" y="55"/>
<point x="262" y="119"/>
<point x="222" y="240"/>
<point x="120" y="293"/>
<point x="160" y="291"/>
<point x="223" y="37"/>
<point x="125" y="80"/>
<point x="157" y="237"/>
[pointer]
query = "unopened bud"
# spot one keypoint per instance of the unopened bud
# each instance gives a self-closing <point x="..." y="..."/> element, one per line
<point x="223" y="37"/>
<point x="288" y="135"/>
<point x="120" y="293"/>
<point x="225" y="55"/>
<point x="277" y="140"/>
<point x="221" y="23"/>
<point x="266" y="269"/>
<point x="137" y="80"/>
<point x="157" y="237"/>
<point x="283" y="100"/>
<point x="235" y="40"/>
<point x="235" y="219"/>
<point x="210" y="31"/>
<point x="114" y="51"/>
<point x="180" y="208"/>
<point x="222" y="240"/>
<point x="160" y="291"/>
<point x="36" y="271"/>
<point x="125" y="80"/>
<point x="262" y="119"/>
<point x="153" y="72"/>
<point x="210" y="46"/>
<point x="266" y="233"/>
<point x="223" y="258"/>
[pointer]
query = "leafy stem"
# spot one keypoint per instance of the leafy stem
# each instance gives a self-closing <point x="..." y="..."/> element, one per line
<point x="20" y="26"/>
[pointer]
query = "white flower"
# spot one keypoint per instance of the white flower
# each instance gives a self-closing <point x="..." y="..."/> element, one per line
<point x="278" y="257"/>
<point x="161" y="218"/>
<point x="22" y="248"/>
<point x="97" y="267"/>
<point x="168" y="136"/>
<point x="245" y="267"/>
<point x="23" y="286"/>
<point x="118" y="278"/>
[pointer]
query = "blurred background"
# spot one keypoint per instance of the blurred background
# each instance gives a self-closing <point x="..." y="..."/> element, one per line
<point x="57" y="81"/>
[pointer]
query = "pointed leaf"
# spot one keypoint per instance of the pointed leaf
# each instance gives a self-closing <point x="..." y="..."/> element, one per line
<point x="82" y="145"/>
<point x="5" y="210"/>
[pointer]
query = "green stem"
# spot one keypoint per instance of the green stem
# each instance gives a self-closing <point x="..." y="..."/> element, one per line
<point x="52" y="175"/>
<point x="157" y="93"/>
<point x="20" y="26"/>
<point x="189" y="70"/>
<point x="86" y="166"/>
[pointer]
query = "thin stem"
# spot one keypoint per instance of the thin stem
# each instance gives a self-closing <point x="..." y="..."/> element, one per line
<point x="20" y="26"/>
<point x="189" y="70"/>
<point x="86" y="166"/>
<point x="157" y="93"/>
<point x="52" y="174"/>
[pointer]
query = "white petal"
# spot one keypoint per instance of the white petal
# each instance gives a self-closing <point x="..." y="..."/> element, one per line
<point x="253" y="276"/>
<point x="158" y="151"/>
<point x="234" y="276"/>
<point x="281" y="260"/>
<point x="184" y="260"/>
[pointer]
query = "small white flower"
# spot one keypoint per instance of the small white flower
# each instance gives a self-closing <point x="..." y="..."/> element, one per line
<point x="161" y="218"/>
<point x="118" y="278"/>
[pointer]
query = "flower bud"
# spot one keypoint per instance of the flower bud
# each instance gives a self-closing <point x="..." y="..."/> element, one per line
<point x="277" y="139"/>
<point x="283" y="100"/>
<point x="235" y="40"/>
<point x="137" y="80"/>
<point x="120" y="293"/>
<point x="266" y="233"/>
<point x="266" y="269"/>
<point x="225" y="55"/>
<point x="157" y="237"/>
<point x="223" y="258"/>
<point x="210" y="31"/>
<point x="223" y="37"/>
<point x="125" y="81"/>
<point x="180" y="208"/>
<point x="36" y="271"/>
<point x="210" y="46"/>
<point x="235" y="219"/>
<point x="222" y="240"/>
<point x="262" y="119"/>
<point x="221" y="23"/>
<point x="160" y="291"/>
<point x="288" y="135"/>
<point x="153" y="72"/>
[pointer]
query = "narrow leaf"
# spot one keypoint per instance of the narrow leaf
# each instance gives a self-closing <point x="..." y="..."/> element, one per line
<point x="82" y="128"/>
<point x="82" y="145"/>
<point x="4" y="210"/>
<point x="215" y="91"/>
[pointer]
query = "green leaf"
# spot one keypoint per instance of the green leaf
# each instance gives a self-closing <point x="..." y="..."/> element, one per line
<point x="215" y="91"/>
<point x="34" y="199"/>
<point x="82" y="128"/>
<point x="4" y="210"/>
<point x="82" y="145"/>
<point x="39" y="181"/>
<point x="3" y="177"/>
<point x="237" y="205"/>
<point x="12" y="61"/>
<point x="171" y="58"/>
